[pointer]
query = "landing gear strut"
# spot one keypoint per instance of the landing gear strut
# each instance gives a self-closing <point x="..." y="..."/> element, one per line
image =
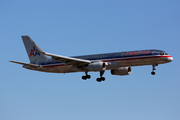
<point x="101" y="78"/>
<point x="86" y="76"/>
<point x="154" y="65"/>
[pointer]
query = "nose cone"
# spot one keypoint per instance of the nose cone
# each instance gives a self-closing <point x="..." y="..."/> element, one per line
<point x="170" y="59"/>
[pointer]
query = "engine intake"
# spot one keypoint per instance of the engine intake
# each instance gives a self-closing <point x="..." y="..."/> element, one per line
<point x="97" y="66"/>
<point x="121" y="71"/>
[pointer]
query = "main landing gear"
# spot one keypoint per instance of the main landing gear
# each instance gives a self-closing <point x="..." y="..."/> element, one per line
<point x="101" y="78"/>
<point x="98" y="79"/>
<point x="154" y="65"/>
<point x="86" y="76"/>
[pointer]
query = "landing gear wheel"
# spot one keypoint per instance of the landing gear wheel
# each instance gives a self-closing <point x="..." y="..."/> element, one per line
<point x="153" y="73"/>
<point x="88" y="76"/>
<point x="102" y="78"/>
<point x="98" y="80"/>
<point x="84" y="77"/>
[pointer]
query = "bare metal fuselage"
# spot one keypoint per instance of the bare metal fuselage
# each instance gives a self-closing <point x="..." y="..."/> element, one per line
<point x="114" y="63"/>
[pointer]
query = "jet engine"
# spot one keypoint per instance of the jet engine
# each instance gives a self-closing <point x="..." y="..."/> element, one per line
<point x="97" y="66"/>
<point x="121" y="71"/>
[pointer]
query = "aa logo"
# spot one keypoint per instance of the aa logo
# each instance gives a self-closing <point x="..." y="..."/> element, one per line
<point x="34" y="52"/>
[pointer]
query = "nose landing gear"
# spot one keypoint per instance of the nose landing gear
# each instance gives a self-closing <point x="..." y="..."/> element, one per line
<point x="154" y="65"/>
<point x="153" y="73"/>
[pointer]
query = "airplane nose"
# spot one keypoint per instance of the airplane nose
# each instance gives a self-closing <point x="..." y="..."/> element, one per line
<point x="170" y="59"/>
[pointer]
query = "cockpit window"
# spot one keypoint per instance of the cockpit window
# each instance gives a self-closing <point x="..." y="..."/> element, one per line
<point x="163" y="54"/>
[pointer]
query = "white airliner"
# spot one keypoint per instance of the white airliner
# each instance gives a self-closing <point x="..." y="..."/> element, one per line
<point x="119" y="63"/>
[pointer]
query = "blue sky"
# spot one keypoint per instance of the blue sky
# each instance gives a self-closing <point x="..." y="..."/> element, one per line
<point x="80" y="27"/>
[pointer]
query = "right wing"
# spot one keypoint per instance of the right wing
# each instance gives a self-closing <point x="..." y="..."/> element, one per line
<point x="28" y="64"/>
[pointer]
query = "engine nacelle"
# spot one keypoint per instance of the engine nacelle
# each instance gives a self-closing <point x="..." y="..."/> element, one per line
<point x="97" y="66"/>
<point x="121" y="71"/>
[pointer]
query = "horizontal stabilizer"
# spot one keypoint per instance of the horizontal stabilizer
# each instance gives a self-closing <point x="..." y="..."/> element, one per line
<point x="28" y="64"/>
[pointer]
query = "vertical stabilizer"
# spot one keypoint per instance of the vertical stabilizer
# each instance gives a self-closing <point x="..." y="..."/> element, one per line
<point x="33" y="55"/>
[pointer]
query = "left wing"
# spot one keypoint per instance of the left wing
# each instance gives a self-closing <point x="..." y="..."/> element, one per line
<point x="67" y="60"/>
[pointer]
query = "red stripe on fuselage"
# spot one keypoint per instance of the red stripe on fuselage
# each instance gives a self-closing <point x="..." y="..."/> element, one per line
<point x="136" y="58"/>
<point x="163" y="56"/>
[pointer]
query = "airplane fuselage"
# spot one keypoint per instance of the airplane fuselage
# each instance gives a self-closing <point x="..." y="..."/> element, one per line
<point x="115" y="60"/>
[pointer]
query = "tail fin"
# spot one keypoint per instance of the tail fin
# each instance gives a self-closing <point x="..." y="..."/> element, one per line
<point x="33" y="55"/>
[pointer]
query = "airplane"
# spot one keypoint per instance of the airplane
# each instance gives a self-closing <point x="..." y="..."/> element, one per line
<point x="119" y="63"/>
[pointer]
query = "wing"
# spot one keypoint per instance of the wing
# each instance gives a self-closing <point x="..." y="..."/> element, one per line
<point x="68" y="60"/>
<point x="28" y="64"/>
